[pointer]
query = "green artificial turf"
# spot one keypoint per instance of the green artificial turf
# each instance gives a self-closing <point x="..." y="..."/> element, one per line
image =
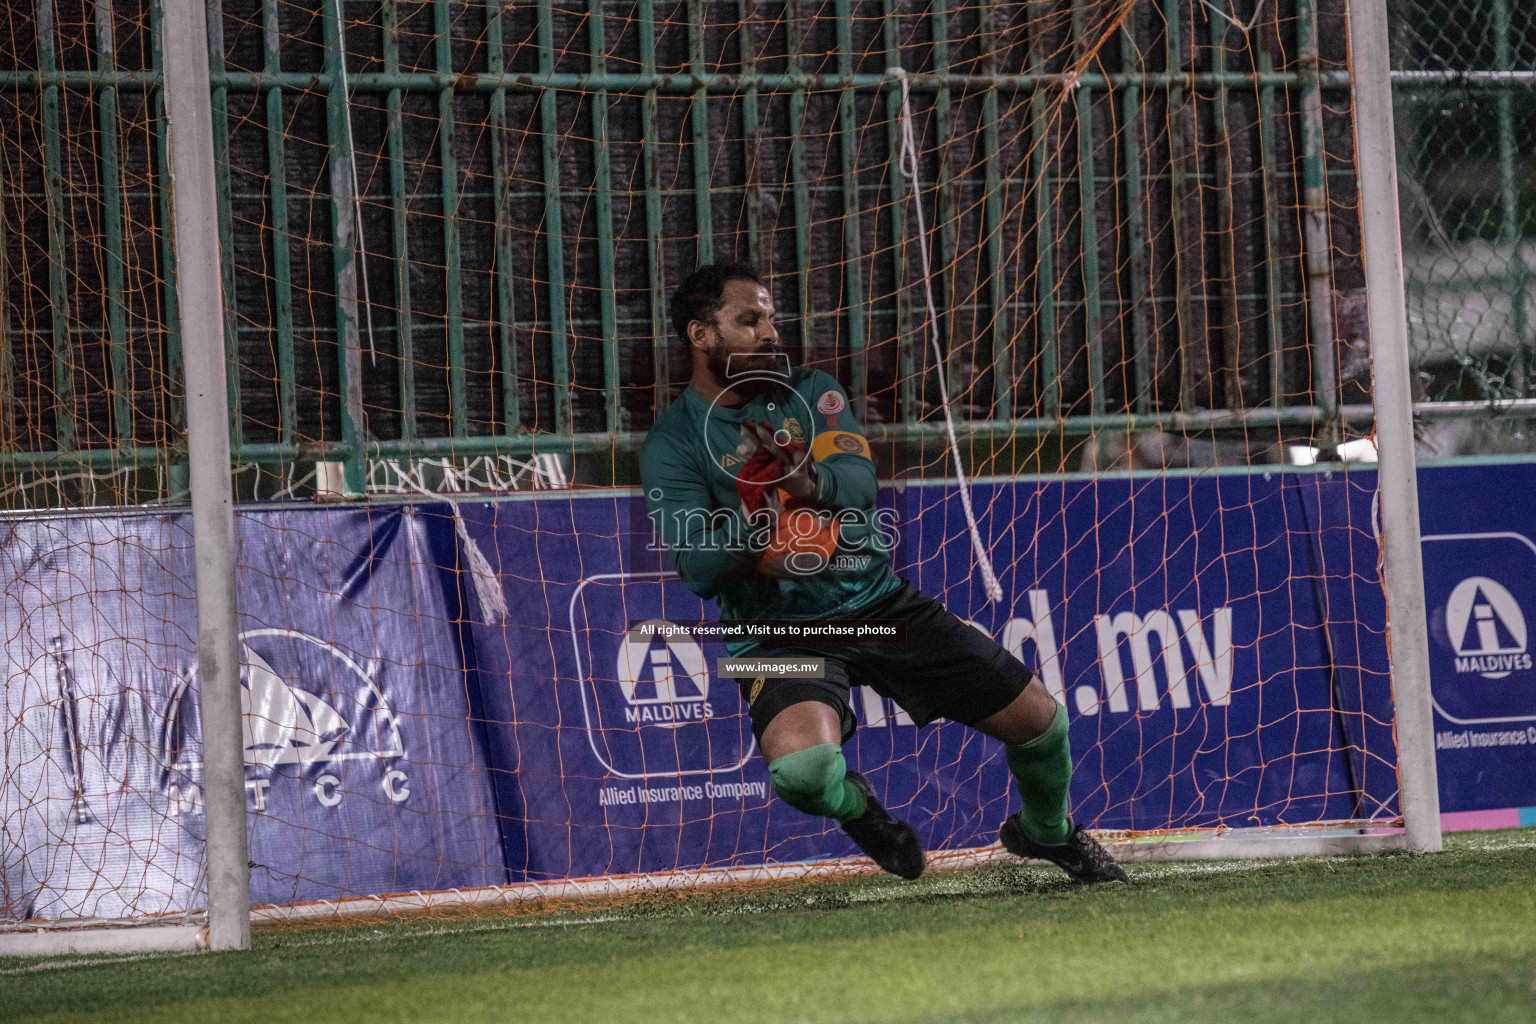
<point x="1396" y="938"/>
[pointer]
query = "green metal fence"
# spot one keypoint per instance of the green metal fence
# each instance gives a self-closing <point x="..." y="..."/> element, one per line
<point x="88" y="372"/>
<point x="450" y="227"/>
<point x="1125" y="229"/>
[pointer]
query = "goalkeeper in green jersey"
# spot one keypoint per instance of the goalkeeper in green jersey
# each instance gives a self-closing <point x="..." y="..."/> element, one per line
<point x="760" y="486"/>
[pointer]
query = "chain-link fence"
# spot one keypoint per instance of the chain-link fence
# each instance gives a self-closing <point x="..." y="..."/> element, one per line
<point x="1465" y="85"/>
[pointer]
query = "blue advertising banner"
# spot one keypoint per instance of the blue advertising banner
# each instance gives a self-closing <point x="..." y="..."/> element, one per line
<point x="1177" y="618"/>
<point x="365" y="768"/>
<point x="363" y="774"/>
<point x="1339" y="514"/>
<point x="1480" y="596"/>
<point x="611" y="759"/>
<point x="1189" y="648"/>
<point x="1218" y="641"/>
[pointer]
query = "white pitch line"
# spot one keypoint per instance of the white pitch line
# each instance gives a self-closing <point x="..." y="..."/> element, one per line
<point x="335" y="940"/>
<point x="54" y="965"/>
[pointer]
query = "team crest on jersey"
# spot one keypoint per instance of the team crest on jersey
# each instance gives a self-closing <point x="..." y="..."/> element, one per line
<point x="796" y="431"/>
<point x="830" y="403"/>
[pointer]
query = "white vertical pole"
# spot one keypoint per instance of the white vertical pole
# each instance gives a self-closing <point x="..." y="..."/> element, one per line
<point x="194" y="221"/>
<point x="1381" y="243"/>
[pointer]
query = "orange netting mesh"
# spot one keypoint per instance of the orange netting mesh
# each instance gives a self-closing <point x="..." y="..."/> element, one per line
<point x="449" y="231"/>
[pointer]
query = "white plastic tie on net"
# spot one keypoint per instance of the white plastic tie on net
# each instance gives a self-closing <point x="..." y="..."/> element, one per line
<point x="909" y="170"/>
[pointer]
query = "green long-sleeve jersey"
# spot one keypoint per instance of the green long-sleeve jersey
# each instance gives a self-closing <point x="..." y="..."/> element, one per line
<point x="688" y="470"/>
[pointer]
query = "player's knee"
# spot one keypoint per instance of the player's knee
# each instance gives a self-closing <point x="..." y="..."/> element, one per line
<point x="808" y="779"/>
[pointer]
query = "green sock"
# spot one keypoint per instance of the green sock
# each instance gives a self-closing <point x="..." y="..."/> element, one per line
<point x="815" y="780"/>
<point x="1043" y="767"/>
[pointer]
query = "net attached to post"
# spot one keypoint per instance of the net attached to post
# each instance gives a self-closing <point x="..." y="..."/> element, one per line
<point x="1088" y="273"/>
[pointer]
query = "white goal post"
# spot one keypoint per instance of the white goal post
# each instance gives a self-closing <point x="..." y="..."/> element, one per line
<point x="1403" y="565"/>
<point x="194" y="199"/>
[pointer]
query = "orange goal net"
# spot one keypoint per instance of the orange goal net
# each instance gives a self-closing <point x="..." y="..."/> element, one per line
<point x="1088" y="271"/>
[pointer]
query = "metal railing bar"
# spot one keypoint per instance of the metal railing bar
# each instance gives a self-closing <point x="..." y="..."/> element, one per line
<point x="344" y="252"/>
<point x="1273" y="286"/>
<point x="1045" y="305"/>
<point x="394" y="103"/>
<point x="1136" y="201"/>
<point x="1297" y="416"/>
<point x="1510" y="188"/>
<point x="112" y="211"/>
<point x="602" y="195"/>
<point x="173" y="391"/>
<point x="852" y="261"/>
<point x="661" y="332"/>
<point x="453" y="280"/>
<point x="220" y="118"/>
<point x="992" y="208"/>
<point x="687" y="193"/>
<point x="800" y="195"/>
<point x="505" y="324"/>
<point x="1317" y="258"/>
<point x="759" y="255"/>
<point x="1093" y="318"/>
<point x="684" y="82"/>
<point x="906" y="365"/>
<point x="946" y="218"/>
<point x="277" y="197"/>
<point x="698" y="123"/>
<point x="554" y="238"/>
<point x="1216" y="419"/>
<point x="1187" y="247"/>
<point x="58" y="288"/>
<point x="1226" y="222"/>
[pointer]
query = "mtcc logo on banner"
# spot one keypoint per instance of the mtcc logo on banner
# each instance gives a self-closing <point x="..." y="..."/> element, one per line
<point x="1479" y="589"/>
<point x="301" y="720"/>
<point x="646" y="701"/>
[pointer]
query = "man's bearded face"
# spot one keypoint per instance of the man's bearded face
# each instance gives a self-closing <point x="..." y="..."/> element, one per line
<point x="746" y="341"/>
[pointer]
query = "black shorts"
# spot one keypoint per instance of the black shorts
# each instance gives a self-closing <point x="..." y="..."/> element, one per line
<point x="945" y="668"/>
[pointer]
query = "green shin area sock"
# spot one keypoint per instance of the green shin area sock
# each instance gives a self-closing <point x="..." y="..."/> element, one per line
<point x="1043" y="767"/>
<point x="815" y="781"/>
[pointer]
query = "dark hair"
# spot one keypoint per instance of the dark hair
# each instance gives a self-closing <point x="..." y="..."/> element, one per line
<point x="702" y="294"/>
